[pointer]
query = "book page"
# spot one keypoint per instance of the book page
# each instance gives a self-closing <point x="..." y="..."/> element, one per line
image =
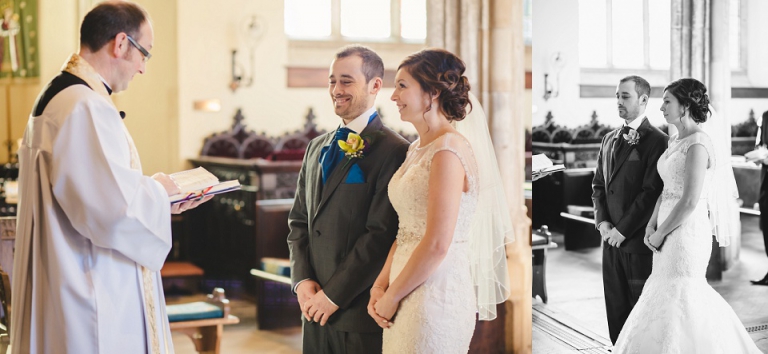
<point x="194" y="179"/>
<point x="539" y="162"/>
<point x="757" y="155"/>
<point x="223" y="187"/>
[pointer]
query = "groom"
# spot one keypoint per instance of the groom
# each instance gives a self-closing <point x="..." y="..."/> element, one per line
<point x="342" y="224"/>
<point x="624" y="192"/>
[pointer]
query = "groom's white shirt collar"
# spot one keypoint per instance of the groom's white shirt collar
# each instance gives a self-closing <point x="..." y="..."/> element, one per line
<point x="359" y="123"/>
<point x="635" y="123"/>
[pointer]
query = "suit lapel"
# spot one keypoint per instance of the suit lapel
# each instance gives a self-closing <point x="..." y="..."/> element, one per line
<point x="644" y="126"/>
<point x="608" y="160"/>
<point x="314" y="175"/>
<point x="334" y="180"/>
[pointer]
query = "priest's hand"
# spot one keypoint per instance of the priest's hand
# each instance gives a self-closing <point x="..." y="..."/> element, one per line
<point x="305" y="291"/>
<point x="171" y="187"/>
<point x="179" y="208"/>
<point x="320" y="308"/>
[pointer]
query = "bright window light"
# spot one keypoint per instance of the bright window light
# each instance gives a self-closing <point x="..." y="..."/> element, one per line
<point x="308" y="18"/>
<point x="413" y="19"/>
<point x="366" y="19"/>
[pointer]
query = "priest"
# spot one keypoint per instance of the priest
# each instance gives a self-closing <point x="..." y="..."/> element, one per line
<point x="93" y="231"/>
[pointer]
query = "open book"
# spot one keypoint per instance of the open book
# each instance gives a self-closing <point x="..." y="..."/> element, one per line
<point x="757" y="155"/>
<point x="541" y="164"/>
<point x="198" y="182"/>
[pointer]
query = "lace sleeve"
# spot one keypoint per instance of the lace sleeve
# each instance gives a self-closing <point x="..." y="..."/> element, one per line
<point x="706" y="142"/>
<point x="458" y="145"/>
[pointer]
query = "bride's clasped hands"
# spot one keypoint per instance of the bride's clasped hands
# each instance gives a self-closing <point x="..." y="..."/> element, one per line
<point x="653" y="239"/>
<point x="382" y="307"/>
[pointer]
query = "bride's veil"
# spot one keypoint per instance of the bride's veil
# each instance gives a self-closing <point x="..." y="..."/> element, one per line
<point x="723" y="192"/>
<point x="491" y="227"/>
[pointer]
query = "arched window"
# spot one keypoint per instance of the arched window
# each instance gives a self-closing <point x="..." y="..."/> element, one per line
<point x="357" y="20"/>
<point x="613" y="35"/>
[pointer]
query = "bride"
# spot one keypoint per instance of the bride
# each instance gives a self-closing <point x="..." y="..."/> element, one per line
<point x="678" y="312"/>
<point x="449" y="262"/>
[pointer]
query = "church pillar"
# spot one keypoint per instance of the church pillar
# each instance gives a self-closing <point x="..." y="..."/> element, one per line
<point x="506" y="112"/>
<point x="700" y="49"/>
<point x="720" y="97"/>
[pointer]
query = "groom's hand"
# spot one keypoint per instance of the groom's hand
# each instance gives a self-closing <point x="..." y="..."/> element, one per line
<point x="320" y="308"/>
<point x="614" y="238"/>
<point x="604" y="228"/>
<point x="305" y="291"/>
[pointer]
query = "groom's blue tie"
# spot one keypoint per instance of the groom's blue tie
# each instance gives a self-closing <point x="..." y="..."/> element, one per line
<point x="331" y="154"/>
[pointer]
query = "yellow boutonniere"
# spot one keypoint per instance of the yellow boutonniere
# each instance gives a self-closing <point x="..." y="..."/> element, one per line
<point x="353" y="146"/>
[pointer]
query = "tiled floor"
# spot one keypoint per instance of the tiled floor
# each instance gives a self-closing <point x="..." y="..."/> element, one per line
<point x="575" y="290"/>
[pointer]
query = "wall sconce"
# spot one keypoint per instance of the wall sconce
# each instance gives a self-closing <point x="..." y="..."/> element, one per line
<point x="552" y="86"/>
<point x="237" y="73"/>
<point x="251" y="30"/>
<point x="211" y="105"/>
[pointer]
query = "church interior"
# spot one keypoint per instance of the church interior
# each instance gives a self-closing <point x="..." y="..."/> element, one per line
<point x="240" y="87"/>
<point x="583" y="48"/>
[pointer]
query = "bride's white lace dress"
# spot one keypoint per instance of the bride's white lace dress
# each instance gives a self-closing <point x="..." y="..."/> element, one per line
<point x="439" y="315"/>
<point x="678" y="312"/>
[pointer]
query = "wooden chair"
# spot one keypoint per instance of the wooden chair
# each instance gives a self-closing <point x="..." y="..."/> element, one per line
<point x="181" y="276"/>
<point x="206" y="333"/>
<point x="540" y="243"/>
<point x="5" y="305"/>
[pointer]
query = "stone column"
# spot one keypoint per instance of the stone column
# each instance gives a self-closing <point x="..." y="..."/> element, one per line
<point x="700" y="49"/>
<point x="720" y="97"/>
<point x="506" y="112"/>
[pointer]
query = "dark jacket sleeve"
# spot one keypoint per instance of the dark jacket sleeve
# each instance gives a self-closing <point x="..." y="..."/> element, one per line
<point x="639" y="213"/>
<point x="298" y="237"/>
<point x="359" y="269"/>
<point x="598" y="188"/>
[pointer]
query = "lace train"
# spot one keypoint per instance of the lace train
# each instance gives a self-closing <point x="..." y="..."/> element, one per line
<point x="678" y="311"/>
<point x="439" y="315"/>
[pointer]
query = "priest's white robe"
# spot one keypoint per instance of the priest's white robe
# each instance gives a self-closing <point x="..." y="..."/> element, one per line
<point x="88" y="222"/>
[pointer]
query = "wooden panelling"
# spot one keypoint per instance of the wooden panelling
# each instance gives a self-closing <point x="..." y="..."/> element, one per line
<point x="607" y="91"/>
<point x="318" y="77"/>
<point x="528" y="80"/>
<point x="16" y="100"/>
<point x="749" y="92"/>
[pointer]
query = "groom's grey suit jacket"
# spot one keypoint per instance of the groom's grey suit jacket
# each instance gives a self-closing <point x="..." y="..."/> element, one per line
<point x="625" y="192"/>
<point x="341" y="233"/>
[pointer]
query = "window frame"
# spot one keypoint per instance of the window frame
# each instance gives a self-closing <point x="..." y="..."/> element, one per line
<point x="336" y="39"/>
<point x="593" y="75"/>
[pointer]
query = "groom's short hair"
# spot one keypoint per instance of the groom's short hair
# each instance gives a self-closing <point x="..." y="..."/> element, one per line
<point x="373" y="66"/>
<point x="642" y="87"/>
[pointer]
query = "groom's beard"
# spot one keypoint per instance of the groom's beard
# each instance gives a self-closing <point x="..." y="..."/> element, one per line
<point x="639" y="114"/>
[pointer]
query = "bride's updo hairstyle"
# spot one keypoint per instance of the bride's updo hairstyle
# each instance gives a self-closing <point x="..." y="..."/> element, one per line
<point x="440" y="72"/>
<point x="692" y="95"/>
